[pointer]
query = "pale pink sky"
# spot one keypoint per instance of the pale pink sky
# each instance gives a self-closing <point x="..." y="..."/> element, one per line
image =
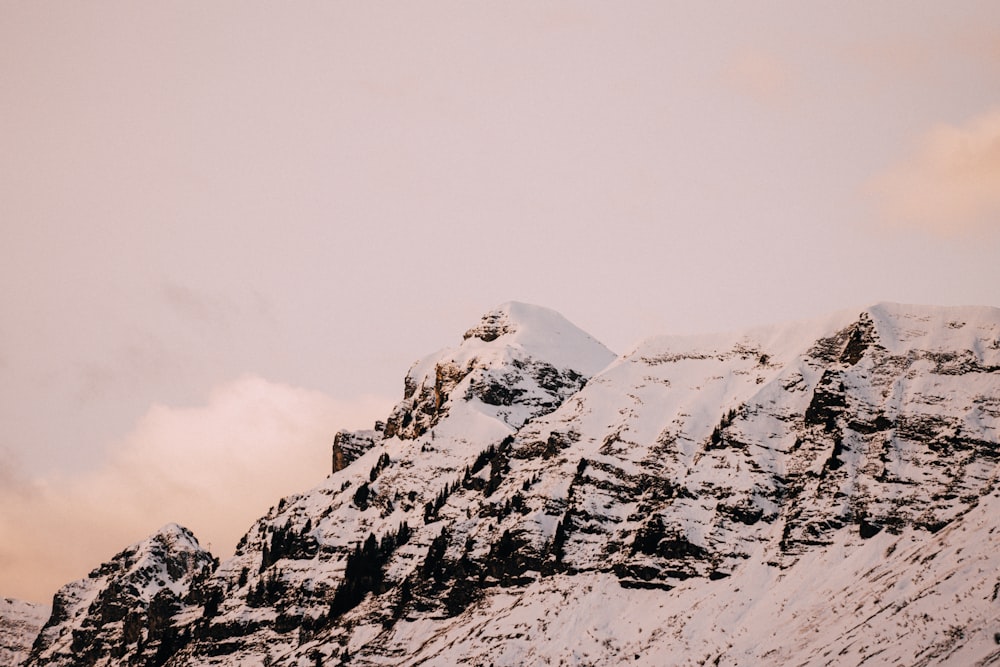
<point x="212" y="213"/>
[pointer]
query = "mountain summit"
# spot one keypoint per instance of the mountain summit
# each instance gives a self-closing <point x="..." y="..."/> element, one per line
<point x="129" y="605"/>
<point x="811" y="493"/>
<point x="520" y="362"/>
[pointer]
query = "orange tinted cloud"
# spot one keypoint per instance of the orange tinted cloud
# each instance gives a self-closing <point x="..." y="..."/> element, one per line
<point x="213" y="468"/>
<point x="950" y="185"/>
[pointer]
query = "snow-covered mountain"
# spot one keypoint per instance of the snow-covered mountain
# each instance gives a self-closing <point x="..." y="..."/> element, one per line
<point x="129" y="609"/>
<point x="812" y="493"/>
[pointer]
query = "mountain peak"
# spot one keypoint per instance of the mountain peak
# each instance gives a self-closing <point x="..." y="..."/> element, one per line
<point x="145" y="558"/>
<point x="176" y="536"/>
<point x="139" y="590"/>
<point x="493" y="325"/>
<point x="519" y="362"/>
<point x="513" y="316"/>
<point x="543" y="334"/>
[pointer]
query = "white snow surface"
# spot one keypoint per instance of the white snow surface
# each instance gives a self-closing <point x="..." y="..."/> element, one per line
<point x="891" y="600"/>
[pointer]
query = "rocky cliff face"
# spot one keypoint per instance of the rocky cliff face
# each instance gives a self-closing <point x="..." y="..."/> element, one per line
<point x="818" y="493"/>
<point x="348" y="446"/>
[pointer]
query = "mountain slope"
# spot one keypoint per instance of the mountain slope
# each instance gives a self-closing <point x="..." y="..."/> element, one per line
<point x="900" y="599"/>
<point x="810" y="493"/>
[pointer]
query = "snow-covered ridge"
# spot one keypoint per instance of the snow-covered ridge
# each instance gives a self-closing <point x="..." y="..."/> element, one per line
<point x="729" y="499"/>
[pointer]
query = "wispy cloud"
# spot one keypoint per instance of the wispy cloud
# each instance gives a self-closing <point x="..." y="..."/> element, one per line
<point x="950" y="184"/>
<point x="214" y="468"/>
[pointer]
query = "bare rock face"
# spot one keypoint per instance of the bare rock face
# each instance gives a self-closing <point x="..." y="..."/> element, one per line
<point x="138" y="608"/>
<point x="349" y="446"/>
<point x="781" y="496"/>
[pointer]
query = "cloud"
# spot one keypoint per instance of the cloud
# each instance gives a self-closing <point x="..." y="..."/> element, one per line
<point x="950" y="185"/>
<point x="214" y="468"/>
<point x="761" y="76"/>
